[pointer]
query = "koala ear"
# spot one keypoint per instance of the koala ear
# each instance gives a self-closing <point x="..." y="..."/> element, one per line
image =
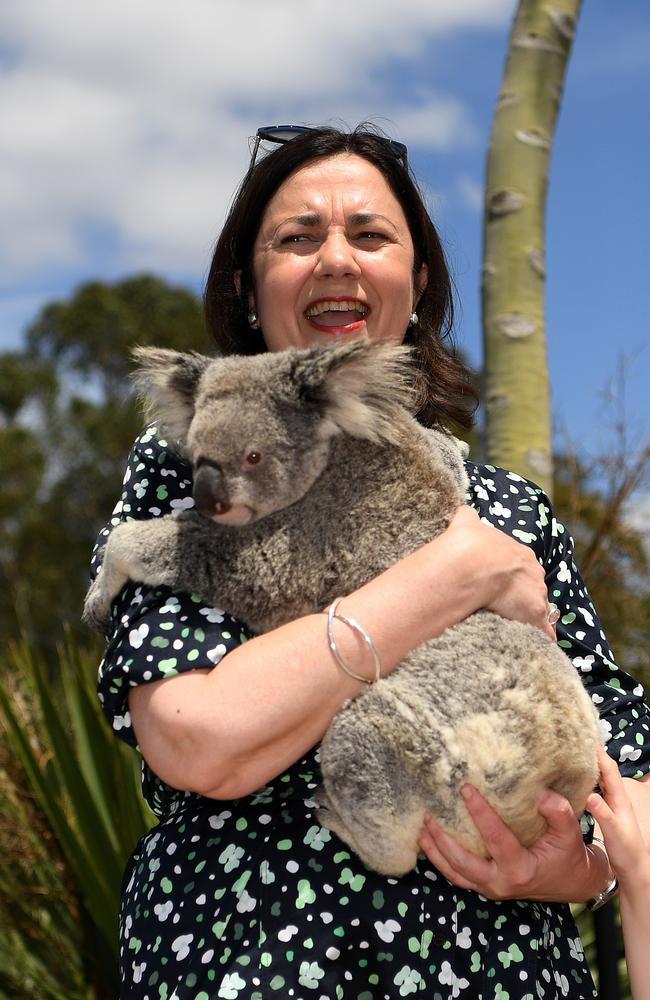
<point x="360" y="385"/>
<point x="166" y="382"/>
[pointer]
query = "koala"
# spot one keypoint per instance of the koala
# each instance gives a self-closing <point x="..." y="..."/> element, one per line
<point x="311" y="476"/>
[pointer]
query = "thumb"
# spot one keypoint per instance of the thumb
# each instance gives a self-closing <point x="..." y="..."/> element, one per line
<point x="557" y="812"/>
<point x="598" y="808"/>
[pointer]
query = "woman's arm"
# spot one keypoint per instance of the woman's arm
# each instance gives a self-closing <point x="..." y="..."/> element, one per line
<point x="629" y="852"/>
<point x="225" y="732"/>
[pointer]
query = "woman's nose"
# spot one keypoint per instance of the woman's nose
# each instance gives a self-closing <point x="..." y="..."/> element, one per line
<point x="336" y="257"/>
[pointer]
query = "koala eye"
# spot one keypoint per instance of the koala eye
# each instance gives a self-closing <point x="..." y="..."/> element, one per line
<point x="252" y="458"/>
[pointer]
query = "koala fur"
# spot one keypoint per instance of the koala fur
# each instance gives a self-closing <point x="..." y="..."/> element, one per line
<point x="311" y="476"/>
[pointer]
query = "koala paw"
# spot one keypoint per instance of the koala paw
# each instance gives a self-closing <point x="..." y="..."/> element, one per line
<point x="97" y="608"/>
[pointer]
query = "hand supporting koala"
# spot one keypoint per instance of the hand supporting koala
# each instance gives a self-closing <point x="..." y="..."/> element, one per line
<point x="506" y="569"/>
<point x="513" y="871"/>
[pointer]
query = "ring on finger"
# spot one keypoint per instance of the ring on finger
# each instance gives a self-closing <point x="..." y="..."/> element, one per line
<point x="553" y="615"/>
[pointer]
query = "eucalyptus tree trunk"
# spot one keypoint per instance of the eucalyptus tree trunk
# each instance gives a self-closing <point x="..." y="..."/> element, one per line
<point x="516" y="389"/>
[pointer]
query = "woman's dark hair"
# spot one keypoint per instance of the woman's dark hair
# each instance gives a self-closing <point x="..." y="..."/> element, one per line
<point x="447" y="392"/>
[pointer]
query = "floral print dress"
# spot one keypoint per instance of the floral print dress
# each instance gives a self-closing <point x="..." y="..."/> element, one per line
<point x="253" y="899"/>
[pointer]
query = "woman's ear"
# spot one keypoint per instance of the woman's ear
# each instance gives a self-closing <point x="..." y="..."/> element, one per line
<point x="252" y="312"/>
<point x="420" y="284"/>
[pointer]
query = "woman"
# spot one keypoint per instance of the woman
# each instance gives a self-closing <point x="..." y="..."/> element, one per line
<point x="239" y="892"/>
<point x="630" y="854"/>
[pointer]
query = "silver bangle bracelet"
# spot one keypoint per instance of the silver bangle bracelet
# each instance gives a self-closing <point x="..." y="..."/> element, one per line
<point x="360" y="630"/>
<point x="610" y="889"/>
<point x="603" y="897"/>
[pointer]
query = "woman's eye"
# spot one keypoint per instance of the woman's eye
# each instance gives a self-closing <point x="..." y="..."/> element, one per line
<point x="370" y="237"/>
<point x="298" y="238"/>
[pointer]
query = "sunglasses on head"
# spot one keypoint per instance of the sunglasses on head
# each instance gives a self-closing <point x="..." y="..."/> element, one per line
<point x="280" y="134"/>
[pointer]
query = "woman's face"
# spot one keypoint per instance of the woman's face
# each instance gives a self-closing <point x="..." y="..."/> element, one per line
<point x="333" y="258"/>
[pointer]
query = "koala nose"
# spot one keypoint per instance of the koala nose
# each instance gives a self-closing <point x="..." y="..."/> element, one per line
<point x="209" y="490"/>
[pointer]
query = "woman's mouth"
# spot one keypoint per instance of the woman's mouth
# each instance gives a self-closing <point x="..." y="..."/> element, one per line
<point x="337" y="315"/>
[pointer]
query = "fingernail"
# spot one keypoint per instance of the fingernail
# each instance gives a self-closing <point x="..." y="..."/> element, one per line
<point x="467" y="792"/>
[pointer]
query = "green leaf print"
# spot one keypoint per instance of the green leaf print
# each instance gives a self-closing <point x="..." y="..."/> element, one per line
<point x="231" y="857"/>
<point x="420" y="946"/>
<point x="168" y="666"/>
<point x="135" y="944"/>
<point x="407" y="979"/>
<point x="316" y="837"/>
<point x="230" y="986"/>
<point x="310" y="974"/>
<point x="513" y="954"/>
<point x="356" y="882"/>
<point x="306" y="894"/>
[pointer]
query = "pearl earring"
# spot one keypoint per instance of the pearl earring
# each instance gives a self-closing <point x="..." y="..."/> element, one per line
<point x="414" y="319"/>
<point x="252" y="319"/>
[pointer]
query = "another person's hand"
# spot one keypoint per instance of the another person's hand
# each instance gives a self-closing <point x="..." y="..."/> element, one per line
<point x="557" y="868"/>
<point x="507" y="571"/>
<point x="615" y="815"/>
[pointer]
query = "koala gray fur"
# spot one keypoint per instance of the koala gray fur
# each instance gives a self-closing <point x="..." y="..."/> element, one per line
<point x="315" y="477"/>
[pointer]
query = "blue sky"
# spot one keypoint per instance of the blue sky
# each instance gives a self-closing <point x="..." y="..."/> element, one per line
<point x="125" y="132"/>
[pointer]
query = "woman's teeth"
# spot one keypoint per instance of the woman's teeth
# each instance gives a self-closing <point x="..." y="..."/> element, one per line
<point x="347" y="305"/>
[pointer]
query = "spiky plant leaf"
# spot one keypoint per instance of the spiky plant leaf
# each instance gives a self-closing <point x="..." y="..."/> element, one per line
<point x="69" y="819"/>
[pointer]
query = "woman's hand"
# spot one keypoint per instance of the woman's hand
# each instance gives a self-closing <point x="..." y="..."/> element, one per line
<point x="508" y="573"/>
<point x="557" y="868"/>
<point x="615" y="815"/>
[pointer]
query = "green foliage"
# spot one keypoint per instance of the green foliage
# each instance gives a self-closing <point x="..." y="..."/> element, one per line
<point x="67" y="421"/>
<point x="93" y="333"/>
<point x="612" y="554"/>
<point x="23" y="379"/>
<point x="70" y="815"/>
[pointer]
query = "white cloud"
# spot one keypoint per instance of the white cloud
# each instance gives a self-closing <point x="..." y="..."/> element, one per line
<point x="132" y="117"/>
<point x="471" y="192"/>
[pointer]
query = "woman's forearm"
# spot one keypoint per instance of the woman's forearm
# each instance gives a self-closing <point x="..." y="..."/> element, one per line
<point x="227" y="731"/>
<point x="634" y="901"/>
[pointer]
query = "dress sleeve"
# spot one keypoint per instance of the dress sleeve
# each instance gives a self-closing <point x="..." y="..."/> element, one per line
<point x="524" y="511"/>
<point x="156" y="632"/>
<point x="619" y="698"/>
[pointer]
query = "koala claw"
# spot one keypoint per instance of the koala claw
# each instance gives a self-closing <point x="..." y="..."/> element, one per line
<point x="97" y="609"/>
